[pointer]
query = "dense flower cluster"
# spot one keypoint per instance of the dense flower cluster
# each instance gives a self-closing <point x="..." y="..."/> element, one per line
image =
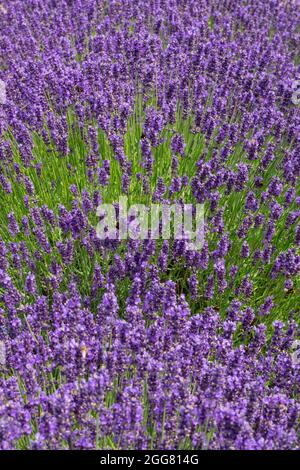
<point x="94" y="374"/>
<point x="145" y="343"/>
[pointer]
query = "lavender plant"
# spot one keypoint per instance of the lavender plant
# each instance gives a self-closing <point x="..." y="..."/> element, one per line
<point x="145" y="344"/>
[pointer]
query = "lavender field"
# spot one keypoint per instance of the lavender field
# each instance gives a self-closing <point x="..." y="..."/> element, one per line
<point x="140" y="341"/>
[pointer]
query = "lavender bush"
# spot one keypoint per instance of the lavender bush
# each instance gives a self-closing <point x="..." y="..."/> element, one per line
<point x="145" y="344"/>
